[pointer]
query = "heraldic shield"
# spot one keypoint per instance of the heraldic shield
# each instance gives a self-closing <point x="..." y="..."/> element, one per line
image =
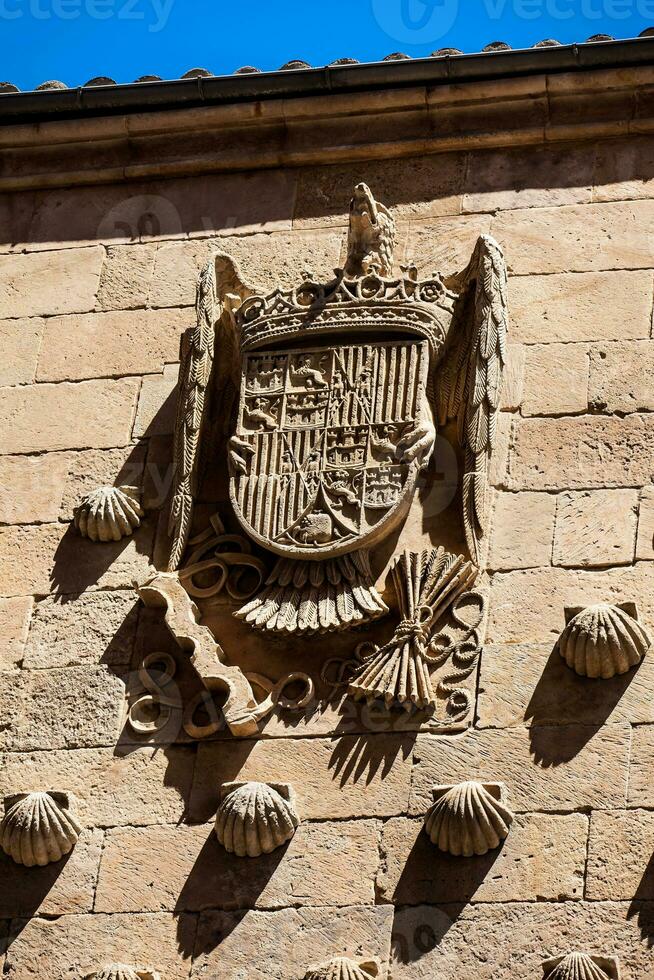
<point x="322" y="431"/>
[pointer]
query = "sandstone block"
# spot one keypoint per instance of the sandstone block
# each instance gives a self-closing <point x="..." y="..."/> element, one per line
<point x="97" y="345"/>
<point x="95" y="626"/>
<point x="14" y="623"/>
<point x="32" y="487"/>
<point x="155" y="415"/>
<point x="445" y="245"/>
<point x="620" y="856"/>
<point x="641" y="790"/>
<point x="413" y="188"/>
<point x="111" y="788"/>
<point x="62" y="888"/>
<point x="330" y="781"/>
<point x="545" y="768"/>
<point x="90" y="414"/>
<point x="36" y="283"/>
<point x="620" y="377"/>
<point x="265" y="260"/>
<point x="76" y="945"/>
<point x="497" y="180"/>
<point x="54" y="709"/>
<point x="624" y="169"/>
<point x="527" y="606"/>
<point x="20" y="341"/>
<point x="582" y="452"/>
<point x="580" y="306"/>
<point x="125" y="277"/>
<point x="556" y="380"/>
<point x="512" y="382"/>
<point x="645" y="539"/>
<point x="586" y="238"/>
<point x="530" y="683"/>
<point x="514" y="937"/>
<point x="101" y="467"/>
<point x="414" y="870"/>
<point x="163" y="868"/>
<point x="595" y="528"/>
<point x="523" y="525"/>
<point x="287" y="942"/>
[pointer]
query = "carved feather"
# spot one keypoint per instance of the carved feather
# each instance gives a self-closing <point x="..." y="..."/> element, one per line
<point x="470" y="378"/>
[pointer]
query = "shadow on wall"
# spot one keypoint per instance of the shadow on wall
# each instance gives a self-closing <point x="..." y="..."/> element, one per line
<point x="642" y="904"/>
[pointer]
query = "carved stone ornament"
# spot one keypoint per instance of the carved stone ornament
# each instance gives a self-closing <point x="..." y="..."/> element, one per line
<point x="468" y="818"/>
<point x="328" y="395"/>
<point x="109" y="513"/>
<point x="581" y="966"/>
<point x="255" y="818"/>
<point x="603" y="640"/>
<point x="38" y="828"/>
<point x="119" y="971"/>
<point x="342" y="968"/>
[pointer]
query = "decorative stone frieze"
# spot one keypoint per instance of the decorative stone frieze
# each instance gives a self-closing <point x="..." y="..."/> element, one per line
<point x="603" y="640"/>
<point x="581" y="966"/>
<point x="38" y="828"/>
<point x="109" y="513"/>
<point x="468" y="818"/>
<point x="255" y="818"/>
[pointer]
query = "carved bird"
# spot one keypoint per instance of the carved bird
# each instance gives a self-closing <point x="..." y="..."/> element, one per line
<point x="371" y="236"/>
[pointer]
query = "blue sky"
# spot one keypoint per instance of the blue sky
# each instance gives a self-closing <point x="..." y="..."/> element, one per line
<point x="74" y="40"/>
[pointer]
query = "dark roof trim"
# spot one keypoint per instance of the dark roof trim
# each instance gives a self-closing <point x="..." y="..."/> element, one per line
<point x="100" y="100"/>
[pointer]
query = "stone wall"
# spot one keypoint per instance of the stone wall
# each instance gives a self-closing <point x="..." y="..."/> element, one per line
<point x="96" y="287"/>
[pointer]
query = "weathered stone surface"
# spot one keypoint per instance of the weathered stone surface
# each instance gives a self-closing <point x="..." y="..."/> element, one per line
<point x="67" y="630"/>
<point x="14" y="622"/>
<point x="585" y="451"/>
<point x="76" y="945"/>
<point x="98" y="345"/>
<point x="497" y="180"/>
<point x="580" y="306"/>
<point x="62" y="888"/>
<point x="157" y="400"/>
<point x="47" y="558"/>
<point x="645" y="539"/>
<point x="624" y="169"/>
<point x="576" y="239"/>
<point x="445" y="245"/>
<point x="523" y="526"/>
<point x="620" y="856"/>
<point x="513" y="378"/>
<point x="35" y="283"/>
<point x="510" y="940"/>
<point x="544" y="768"/>
<point x="266" y="261"/>
<point x="101" y="467"/>
<point x="595" y="528"/>
<point x="621" y="377"/>
<point x="414" y="188"/>
<point x="185" y="869"/>
<point x="143" y="786"/>
<point x="530" y="683"/>
<point x="641" y="787"/>
<point x="125" y="277"/>
<point x="556" y="379"/>
<point x="90" y="414"/>
<point x="32" y="487"/>
<point x="287" y="942"/>
<point x="527" y="606"/>
<point x="20" y="340"/>
<point x="330" y="777"/>
<point x="54" y="709"/>
<point x="543" y="858"/>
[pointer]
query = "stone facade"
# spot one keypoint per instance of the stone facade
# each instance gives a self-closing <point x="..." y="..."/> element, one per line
<point x="96" y="288"/>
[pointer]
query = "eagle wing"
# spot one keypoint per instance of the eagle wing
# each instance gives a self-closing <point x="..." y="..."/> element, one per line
<point x="219" y="286"/>
<point x="470" y="377"/>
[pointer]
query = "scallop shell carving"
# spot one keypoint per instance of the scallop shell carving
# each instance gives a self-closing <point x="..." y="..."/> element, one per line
<point x="581" y="966"/>
<point x="602" y="641"/>
<point x="119" y="971"/>
<point x="109" y="513"/>
<point x="38" y="828"/>
<point x="468" y="818"/>
<point x="255" y="818"/>
<point x="342" y="968"/>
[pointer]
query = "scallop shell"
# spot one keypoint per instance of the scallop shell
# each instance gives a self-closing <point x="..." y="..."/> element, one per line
<point x="119" y="971"/>
<point x="468" y="818"/>
<point x="341" y="968"/>
<point x="38" y="828"/>
<point x="255" y="818"/>
<point x="602" y="641"/>
<point x="581" y="966"/>
<point x="109" y="513"/>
